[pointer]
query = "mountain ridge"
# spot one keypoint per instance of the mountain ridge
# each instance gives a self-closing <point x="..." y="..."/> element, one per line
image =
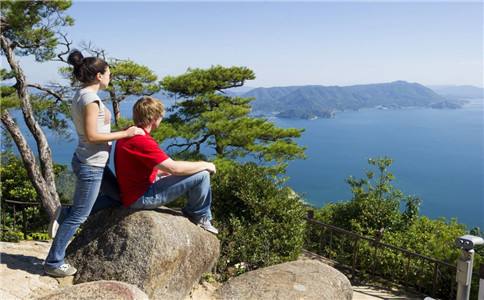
<point x="313" y="101"/>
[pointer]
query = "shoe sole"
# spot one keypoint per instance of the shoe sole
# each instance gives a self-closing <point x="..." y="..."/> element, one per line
<point x="59" y="275"/>
<point x="206" y="229"/>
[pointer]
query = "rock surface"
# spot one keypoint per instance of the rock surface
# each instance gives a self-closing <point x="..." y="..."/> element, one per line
<point x="301" y="279"/>
<point x="21" y="270"/>
<point x="100" y="290"/>
<point x="159" y="251"/>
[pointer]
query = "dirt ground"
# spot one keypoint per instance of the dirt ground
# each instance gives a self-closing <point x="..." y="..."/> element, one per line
<point x="21" y="270"/>
<point x="22" y="275"/>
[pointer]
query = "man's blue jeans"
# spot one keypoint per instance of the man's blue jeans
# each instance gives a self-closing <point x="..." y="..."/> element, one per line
<point x="165" y="190"/>
<point x="96" y="189"/>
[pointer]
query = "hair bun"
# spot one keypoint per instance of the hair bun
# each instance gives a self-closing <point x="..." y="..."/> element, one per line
<point x="75" y="58"/>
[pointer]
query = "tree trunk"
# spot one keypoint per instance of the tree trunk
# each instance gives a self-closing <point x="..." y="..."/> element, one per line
<point x="48" y="192"/>
<point x="30" y="164"/>
<point x="116" y="109"/>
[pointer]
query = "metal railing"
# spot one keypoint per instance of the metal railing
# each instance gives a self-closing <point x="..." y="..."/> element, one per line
<point x="393" y="264"/>
<point x="14" y="204"/>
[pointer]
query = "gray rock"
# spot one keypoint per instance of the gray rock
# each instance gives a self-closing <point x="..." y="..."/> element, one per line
<point x="159" y="251"/>
<point x="302" y="279"/>
<point x="101" y="290"/>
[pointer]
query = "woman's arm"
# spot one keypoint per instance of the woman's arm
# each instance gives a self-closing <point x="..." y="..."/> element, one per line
<point x="91" y="112"/>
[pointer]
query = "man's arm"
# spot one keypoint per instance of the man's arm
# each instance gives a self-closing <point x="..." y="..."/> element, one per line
<point x="181" y="168"/>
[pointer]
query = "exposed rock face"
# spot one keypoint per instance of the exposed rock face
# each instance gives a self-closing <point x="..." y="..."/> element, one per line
<point x="101" y="290"/>
<point x="302" y="279"/>
<point x="159" y="251"/>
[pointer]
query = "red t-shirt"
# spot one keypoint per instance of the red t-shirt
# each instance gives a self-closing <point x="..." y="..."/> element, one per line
<point x="135" y="161"/>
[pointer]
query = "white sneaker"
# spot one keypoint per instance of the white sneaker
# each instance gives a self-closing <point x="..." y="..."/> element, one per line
<point x="62" y="271"/>
<point x="207" y="225"/>
<point x="54" y="223"/>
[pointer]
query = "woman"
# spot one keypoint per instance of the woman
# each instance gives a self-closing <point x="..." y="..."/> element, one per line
<point x="89" y="163"/>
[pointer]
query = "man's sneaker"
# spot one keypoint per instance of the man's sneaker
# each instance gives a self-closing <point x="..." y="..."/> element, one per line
<point x="205" y="224"/>
<point x="62" y="271"/>
<point x="54" y="223"/>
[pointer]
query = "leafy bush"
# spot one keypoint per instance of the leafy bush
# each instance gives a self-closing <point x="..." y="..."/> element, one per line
<point x="261" y="223"/>
<point x="38" y="236"/>
<point x="15" y="185"/>
<point x="11" y="236"/>
<point x="378" y="210"/>
<point x="376" y="203"/>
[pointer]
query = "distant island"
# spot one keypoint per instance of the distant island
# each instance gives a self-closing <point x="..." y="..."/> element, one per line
<point x="316" y="101"/>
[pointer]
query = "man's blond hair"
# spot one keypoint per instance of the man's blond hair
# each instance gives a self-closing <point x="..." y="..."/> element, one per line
<point x="147" y="109"/>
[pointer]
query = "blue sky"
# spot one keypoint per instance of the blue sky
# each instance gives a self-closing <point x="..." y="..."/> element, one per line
<point x="289" y="43"/>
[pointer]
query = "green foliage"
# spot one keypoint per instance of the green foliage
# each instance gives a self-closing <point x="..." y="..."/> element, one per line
<point x="130" y="78"/>
<point x="377" y="204"/>
<point x="207" y="116"/>
<point x="11" y="236"/>
<point x="15" y="185"/>
<point x="32" y="26"/>
<point x="38" y="236"/>
<point x="8" y="95"/>
<point x="260" y="222"/>
<point x="15" y="182"/>
<point x="198" y="81"/>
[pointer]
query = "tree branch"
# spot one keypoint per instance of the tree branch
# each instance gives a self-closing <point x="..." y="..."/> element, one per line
<point x="67" y="44"/>
<point x="49" y="91"/>
<point x="188" y="145"/>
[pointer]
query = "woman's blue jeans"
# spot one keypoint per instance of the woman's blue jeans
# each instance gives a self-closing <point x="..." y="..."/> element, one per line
<point x="167" y="189"/>
<point x="96" y="189"/>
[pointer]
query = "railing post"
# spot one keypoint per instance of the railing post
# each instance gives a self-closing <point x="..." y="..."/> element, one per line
<point x="375" y="254"/>
<point x="407" y="274"/>
<point x="14" y="217"/>
<point x="3" y="214"/>
<point x="330" y="242"/>
<point x="24" y="223"/>
<point x="481" y="282"/>
<point x="464" y="274"/>
<point x="467" y="243"/>
<point x="434" y="281"/>
<point x="355" y="251"/>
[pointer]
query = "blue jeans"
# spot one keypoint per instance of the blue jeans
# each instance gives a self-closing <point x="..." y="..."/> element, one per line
<point x="196" y="187"/>
<point x="96" y="189"/>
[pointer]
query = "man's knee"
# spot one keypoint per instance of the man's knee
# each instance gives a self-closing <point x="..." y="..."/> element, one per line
<point x="205" y="174"/>
<point x="205" y="177"/>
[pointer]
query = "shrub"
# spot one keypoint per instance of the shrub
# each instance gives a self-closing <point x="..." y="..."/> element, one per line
<point x="377" y="204"/>
<point x="261" y="223"/>
<point x="12" y="236"/>
<point x="16" y="185"/>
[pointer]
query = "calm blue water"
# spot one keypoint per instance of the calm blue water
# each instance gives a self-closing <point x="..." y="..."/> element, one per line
<point x="438" y="156"/>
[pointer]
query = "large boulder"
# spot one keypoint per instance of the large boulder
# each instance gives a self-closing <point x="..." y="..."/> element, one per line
<point x="160" y="251"/>
<point x="301" y="279"/>
<point x="100" y="290"/>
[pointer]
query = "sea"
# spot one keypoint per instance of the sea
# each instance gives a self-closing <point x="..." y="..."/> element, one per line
<point x="438" y="156"/>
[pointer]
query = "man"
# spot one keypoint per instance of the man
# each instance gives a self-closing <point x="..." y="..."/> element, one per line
<point x="149" y="178"/>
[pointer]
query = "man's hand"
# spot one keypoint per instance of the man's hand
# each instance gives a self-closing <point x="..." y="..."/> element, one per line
<point x="211" y="168"/>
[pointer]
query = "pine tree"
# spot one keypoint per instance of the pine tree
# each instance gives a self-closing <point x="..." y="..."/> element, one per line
<point x="207" y="116"/>
<point x="31" y="28"/>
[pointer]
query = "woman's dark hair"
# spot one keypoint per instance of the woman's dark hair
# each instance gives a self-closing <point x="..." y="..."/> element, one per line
<point x="86" y="68"/>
